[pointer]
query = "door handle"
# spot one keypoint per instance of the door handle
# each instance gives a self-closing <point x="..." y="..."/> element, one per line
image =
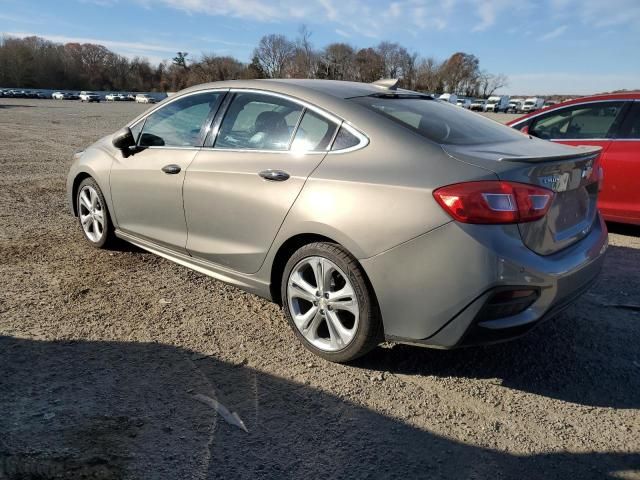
<point x="171" y="169"/>
<point x="274" y="175"/>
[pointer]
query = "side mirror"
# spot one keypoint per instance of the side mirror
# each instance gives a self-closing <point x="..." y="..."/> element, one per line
<point x="123" y="140"/>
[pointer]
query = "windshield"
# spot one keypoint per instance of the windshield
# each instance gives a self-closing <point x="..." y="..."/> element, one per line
<point x="529" y="102"/>
<point x="439" y="122"/>
<point x="493" y="100"/>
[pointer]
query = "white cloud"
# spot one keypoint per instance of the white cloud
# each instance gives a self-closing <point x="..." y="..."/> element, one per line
<point x="556" y="32"/>
<point x="151" y="51"/>
<point x="361" y="17"/>
<point x="599" y="13"/>
<point x="565" y="83"/>
<point x="488" y="12"/>
<point x="20" y="19"/>
<point x="147" y="47"/>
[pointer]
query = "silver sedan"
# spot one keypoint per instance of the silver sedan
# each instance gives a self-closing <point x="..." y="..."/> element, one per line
<point x="367" y="211"/>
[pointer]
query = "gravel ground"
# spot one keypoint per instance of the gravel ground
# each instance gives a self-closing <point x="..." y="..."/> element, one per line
<point x="105" y="356"/>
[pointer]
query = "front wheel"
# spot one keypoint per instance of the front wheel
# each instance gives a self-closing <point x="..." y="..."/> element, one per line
<point x="329" y="303"/>
<point x="93" y="214"/>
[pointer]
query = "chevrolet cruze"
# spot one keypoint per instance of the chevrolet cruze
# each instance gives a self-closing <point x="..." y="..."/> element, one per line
<point x="367" y="211"/>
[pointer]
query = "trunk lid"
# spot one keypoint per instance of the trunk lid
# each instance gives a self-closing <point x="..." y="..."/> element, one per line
<point x="570" y="172"/>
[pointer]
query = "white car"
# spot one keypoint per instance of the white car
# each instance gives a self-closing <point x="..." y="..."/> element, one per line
<point x="497" y="103"/>
<point x="532" y="104"/>
<point x="464" y="103"/>
<point x="57" y="96"/>
<point x="144" y="98"/>
<point x="515" y="105"/>
<point x="478" y="105"/>
<point x="86" y="96"/>
<point x="112" y="97"/>
<point x="449" y="97"/>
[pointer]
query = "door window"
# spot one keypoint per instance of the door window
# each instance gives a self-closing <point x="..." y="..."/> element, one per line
<point x="179" y="123"/>
<point x="631" y="126"/>
<point x="587" y="121"/>
<point x="314" y="133"/>
<point x="257" y="121"/>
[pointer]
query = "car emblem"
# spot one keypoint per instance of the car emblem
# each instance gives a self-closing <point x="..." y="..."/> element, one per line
<point x="557" y="183"/>
<point x="587" y="170"/>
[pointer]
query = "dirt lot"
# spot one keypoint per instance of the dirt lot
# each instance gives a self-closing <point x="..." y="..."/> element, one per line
<point x="102" y="355"/>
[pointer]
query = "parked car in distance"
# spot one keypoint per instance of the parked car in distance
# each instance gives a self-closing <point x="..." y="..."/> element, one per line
<point x="449" y="97"/>
<point x="515" y="105"/>
<point x="497" y="103"/>
<point x="464" y="103"/>
<point x="86" y="96"/>
<point x="550" y="103"/>
<point x="57" y="95"/>
<point x="611" y="122"/>
<point x="414" y="221"/>
<point x="478" y="105"/>
<point x="111" y="97"/>
<point x="532" y="104"/>
<point x="144" y="98"/>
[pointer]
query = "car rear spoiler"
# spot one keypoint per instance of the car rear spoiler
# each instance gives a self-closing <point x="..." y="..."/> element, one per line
<point x="586" y="153"/>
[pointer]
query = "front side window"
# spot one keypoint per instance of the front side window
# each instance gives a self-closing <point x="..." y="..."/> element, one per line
<point x="258" y="121"/>
<point x="314" y="133"/>
<point x="440" y="122"/>
<point x="593" y="121"/>
<point x="179" y="123"/>
<point x="631" y="126"/>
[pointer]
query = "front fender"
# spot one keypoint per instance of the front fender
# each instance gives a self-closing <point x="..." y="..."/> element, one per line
<point x="94" y="162"/>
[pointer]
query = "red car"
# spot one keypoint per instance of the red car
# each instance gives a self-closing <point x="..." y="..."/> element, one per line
<point x="608" y="121"/>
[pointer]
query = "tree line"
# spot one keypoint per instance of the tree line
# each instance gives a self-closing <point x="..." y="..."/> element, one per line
<point x="35" y="62"/>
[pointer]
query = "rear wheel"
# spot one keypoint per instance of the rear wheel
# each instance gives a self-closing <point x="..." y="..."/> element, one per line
<point x="93" y="215"/>
<point x="329" y="304"/>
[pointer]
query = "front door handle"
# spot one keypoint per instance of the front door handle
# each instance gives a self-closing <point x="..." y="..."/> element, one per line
<point x="274" y="175"/>
<point x="171" y="169"/>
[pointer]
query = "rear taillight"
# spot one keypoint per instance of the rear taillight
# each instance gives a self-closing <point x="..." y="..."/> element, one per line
<point x="494" y="202"/>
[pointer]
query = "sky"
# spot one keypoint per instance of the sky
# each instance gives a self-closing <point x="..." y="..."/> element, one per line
<point x="543" y="46"/>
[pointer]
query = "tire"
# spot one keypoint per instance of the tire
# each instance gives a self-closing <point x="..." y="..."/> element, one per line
<point x="354" y="335"/>
<point x="102" y="237"/>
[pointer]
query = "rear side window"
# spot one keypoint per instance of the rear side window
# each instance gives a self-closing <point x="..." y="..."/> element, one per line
<point x="594" y="120"/>
<point x="631" y="126"/>
<point x="440" y="122"/>
<point x="257" y="121"/>
<point x="178" y="124"/>
<point x="314" y="133"/>
<point x="345" y="139"/>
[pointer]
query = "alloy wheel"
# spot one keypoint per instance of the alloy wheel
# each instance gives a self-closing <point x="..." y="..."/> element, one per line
<point x="323" y="303"/>
<point x="91" y="213"/>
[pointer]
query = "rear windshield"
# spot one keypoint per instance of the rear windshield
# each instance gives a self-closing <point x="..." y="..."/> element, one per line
<point x="438" y="121"/>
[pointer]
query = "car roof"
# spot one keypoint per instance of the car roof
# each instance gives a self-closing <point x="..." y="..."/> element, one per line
<point x="631" y="95"/>
<point x="335" y="88"/>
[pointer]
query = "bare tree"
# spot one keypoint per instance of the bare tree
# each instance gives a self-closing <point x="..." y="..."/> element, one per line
<point x="305" y="59"/>
<point x="429" y="76"/>
<point x="338" y="62"/>
<point x="489" y="83"/>
<point x="34" y="62"/>
<point x="369" y="65"/>
<point x="460" y="73"/>
<point x="398" y="62"/>
<point x="274" y="54"/>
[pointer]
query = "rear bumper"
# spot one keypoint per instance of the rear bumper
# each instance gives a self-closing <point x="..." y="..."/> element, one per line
<point x="432" y="290"/>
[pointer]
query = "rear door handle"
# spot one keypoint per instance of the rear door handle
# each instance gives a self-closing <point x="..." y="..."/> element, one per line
<point x="171" y="169"/>
<point x="274" y="175"/>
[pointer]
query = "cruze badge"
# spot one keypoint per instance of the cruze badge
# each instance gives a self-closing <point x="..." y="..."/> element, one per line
<point x="557" y="183"/>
